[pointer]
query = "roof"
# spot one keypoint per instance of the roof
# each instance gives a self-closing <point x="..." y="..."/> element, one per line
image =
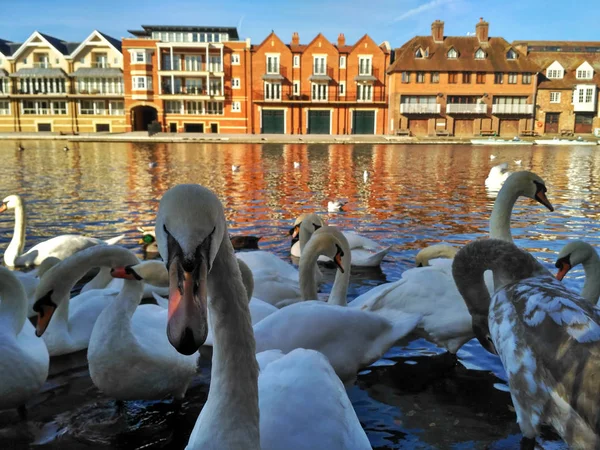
<point x="3" y="73"/>
<point x="466" y="46"/>
<point x="148" y="29"/>
<point x="570" y="62"/>
<point x="97" y="72"/>
<point x="38" y="72"/>
<point x="58" y="44"/>
<point x="5" y="47"/>
<point x="561" y="46"/>
<point x="116" y="43"/>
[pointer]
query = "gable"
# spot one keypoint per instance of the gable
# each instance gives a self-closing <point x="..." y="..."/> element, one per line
<point x="320" y="44"/>
<point x="366" y="44"/>
<point x="94" y="38"/>
<point x="272" y="43"/>
<point x="38" y="39"/>
<point x="585" y="71"/>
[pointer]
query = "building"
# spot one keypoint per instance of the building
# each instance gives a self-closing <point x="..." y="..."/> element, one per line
<point x="47" y="84"/>
<point x="192" y="79"/>
<point x="567" y="97"/>
<point x="461" y="86"/>
<point x="319" y="87"/>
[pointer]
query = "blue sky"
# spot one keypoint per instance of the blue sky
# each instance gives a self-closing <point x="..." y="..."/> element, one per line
<point x="395" y="21"/>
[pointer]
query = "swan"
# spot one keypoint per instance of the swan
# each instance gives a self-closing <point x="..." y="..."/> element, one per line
<point x="365" y="176"/>
<point x="105" y="280"/>
<point x="296" y="165"/>
<point x="148" y="240"/>
<point x="348" y="337"/>
<point x="365" y="252"/>
<point x="60" y="247"/>
<point x="547" y="337"/>
<point x="335" y="206"/>
<point x="129" y="355"/>
<point x="193" y="241"/>
<point x="579" y="252"/>
<point x="431" y="291"/>
<point x="65" y="149"/>
<point x="518" y="162"/>
<point x="435" y="251"/>
<point x="497" y="176"/>
<point x="492" y="157"/>
<point x="24" y="359"/>
<point x="235" y="168"/>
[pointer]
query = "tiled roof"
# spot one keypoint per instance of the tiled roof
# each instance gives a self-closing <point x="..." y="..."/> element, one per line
<point x="466" y="46"/>
<point x="5" y="47"/>
<point x="115" y="42"/>
<point x="570" y="62"/>
<point x="58" y="44"/>
<point x="297" y="48"/>
<point x="3" y="73"/>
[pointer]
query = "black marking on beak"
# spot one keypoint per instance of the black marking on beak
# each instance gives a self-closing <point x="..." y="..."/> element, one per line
<point x="46" y="300"/>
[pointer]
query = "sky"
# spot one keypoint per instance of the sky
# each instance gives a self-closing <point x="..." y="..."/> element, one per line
<point x="395" y="21"/>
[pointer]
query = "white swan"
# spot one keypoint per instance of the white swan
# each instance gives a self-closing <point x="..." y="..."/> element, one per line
<point x="129" y="355"/>
<point x="547" y="337"/>
<point x="335" y="205"/>
<point x="432" y="291"/>
<point x="365" y="252"/>
<point x="435" y="251"/>
<point x="348" y="337"/>
<point x="580" y="252"/>
<point x="60" y="247"/>
<point x="193" y="241"/>
<point x="24" y="358"/>
<point x="104" y="280"/>
<point x="497" y="176"/>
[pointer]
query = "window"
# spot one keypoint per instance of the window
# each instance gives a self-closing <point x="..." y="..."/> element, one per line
<point x="480" y="78"/>
<point x="342" y="88"/>
<point x="235" y="83"/>
<point x="167" y="64"/>
<point x="420" y="77"/>
<point x="419" y="53"/>
<point x="466" y="77"/>
<point x="452" y="78"/>
<point x="365" y="92"/>
<point x="319" y="92"/>
<point x="554" y="73"/>
<point x="4" y="108"/>
<point x="406" y="77"/>
<point x="498" y="78"/>
<point x="479" y="54"/>
<point x="235" y="59"/>
<point x="59" y="108"/>
<point x="452" y="54"/>
<point x="194" y="108"/>
<point x="272" y="91"/>
<point x="173" y="107"/>
<point x="511" y="54"/>
<point x="141" y="83"/>
<point x="24" y="60"/>
<point x="236" y="107"/>
<point x="526" y="78"/>
<point x="193" y="63"/>
<point x="272" y="63"/>
<point x="588" y="95"/>
<point x="320" y="65"/>
<point x="116" y="108"/>
<point x="512" y="78"/>
<point x="89" y="107"/>
<point x="554" y="97"/>
<point x="435" y="77"/>
<point x="365" y="65"/>
<point x="583" y="74"/>
<point x="214" y="108"/>
<point x="297" y="87"/>
<point x="342" y="62"/>
<point x="138" y="57"/>
<point x="296" y="60"/>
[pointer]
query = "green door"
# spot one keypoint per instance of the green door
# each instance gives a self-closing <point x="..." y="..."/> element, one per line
<point x="319" y="122"/>
<point x="363" y="122"/>
<point x="272" y="121"/>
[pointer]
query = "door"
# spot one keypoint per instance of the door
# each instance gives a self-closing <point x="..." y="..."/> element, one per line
<point x="551" y="123"/>
<point x="273" y="121"/>
<point x="173" y="127"/>
<point x="463" y="127"/>
<point x="319" y="122"/>
<point x="583" y="123"/>
<point x="418" y="127"/>
<point x="509" y="128"/>
<point x="193" y="127"/>
<point x="363" y="122"/>
<point x="214" y="127"/>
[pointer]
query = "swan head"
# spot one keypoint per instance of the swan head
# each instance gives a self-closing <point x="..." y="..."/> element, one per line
<point x="152" y="272"/>
<point x="434" y="251"/>
<point x="331" y="242"/>
<point x="190" y="228"/>
<point x="575" y="252"/>
<point x="10" y="202"/>
<point x="307" y="222"/>
<point x="528" y="184"/>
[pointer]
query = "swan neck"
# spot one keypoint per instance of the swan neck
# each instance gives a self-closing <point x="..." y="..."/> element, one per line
<point x="234" y="374"/>
<point x="307" y="269"/>
<point x="591" y="286"/>
<point x="124" y="305"/>
<point x="339" y="290"/>
<point x="17" y="243"/>
<point x="501" y="213"/>
<point x="13" y="306"/>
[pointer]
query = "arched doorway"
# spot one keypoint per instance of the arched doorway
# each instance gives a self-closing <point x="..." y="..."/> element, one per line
<point x="142" y="116"/>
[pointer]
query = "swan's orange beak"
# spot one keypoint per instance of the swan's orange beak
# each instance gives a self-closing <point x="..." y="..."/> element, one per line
<point x="127" y="273"/>
<point x="562" y="270"/>
<point x="187" y="326"/>
<point x="45" y="308"/>
<point x="540" y="196"/>
<point x="3" y="207"/>
<point x="294" y="232"/>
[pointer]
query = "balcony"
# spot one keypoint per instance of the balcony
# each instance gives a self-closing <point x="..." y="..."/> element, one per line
<point x="512" y="109"/>
<point x="185" y="90"/>
<point x="192" y="68"/>
<point x="420" y="108"/>
<point x="470" y="108"/>
<point x="101" y="65"/>
<point x="321" y="73"/>
<point x="42" y="65"/>
<point x="275" y="73"/>
<point x="307" y="96"/>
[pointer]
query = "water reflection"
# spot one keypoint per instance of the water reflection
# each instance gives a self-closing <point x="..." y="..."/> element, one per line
<point x="414" y="196"/>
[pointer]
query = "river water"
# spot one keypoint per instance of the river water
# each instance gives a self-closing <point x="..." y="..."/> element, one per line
<point x="414" y="195"/>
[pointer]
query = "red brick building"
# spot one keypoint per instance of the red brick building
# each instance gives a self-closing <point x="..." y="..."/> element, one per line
<point x="319" y="87"/>
<point x="193" y="79"/>
<point x="567" y="96"/>
<point x="461" y="86"/>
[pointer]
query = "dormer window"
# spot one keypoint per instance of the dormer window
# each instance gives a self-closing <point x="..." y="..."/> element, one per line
<point x="511" y="54"/>
<point x="419" y="53"/>
<point x="479" y="54"/>
<point x="452" y="54"/>
<point x="584" y="72"/>
<point x="555" y="71"/>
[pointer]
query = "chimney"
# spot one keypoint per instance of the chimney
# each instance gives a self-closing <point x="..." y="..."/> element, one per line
<point x="341" y="40"/>
<point x="295" y="38"/>
<point x="482" y="31"/>
<point x="437" y="31"/>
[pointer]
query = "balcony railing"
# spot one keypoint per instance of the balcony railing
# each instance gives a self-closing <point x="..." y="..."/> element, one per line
<point x="307" y="96"/>
<point x="512" y="109"/>
<point x="203" y="67"/>
<point x="42" y="65"/>
<point x="420" y="108"/>
<point x="462" y="108"/>
<point x="101" y="65"/>
<point x="185" y="90"/>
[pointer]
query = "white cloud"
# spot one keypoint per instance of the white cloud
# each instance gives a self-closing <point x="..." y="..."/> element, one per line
<point x="422" y="8"/>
